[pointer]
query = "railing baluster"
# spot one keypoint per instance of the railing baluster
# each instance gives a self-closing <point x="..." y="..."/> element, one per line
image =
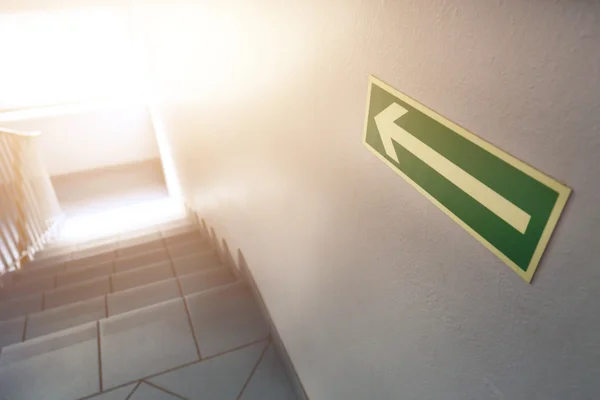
<point x="29" y="206"/>
<point x="35" y="218"/>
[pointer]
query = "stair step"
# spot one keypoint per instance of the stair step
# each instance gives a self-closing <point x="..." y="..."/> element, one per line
<point x="73" y="287"/>
<point x="20" y="306"/>
<point x="94" y="248"/>
<point x="91" y="259"/>
<point x="11" y="331"/>
<point x="28" y="282"/>
<point x="133" y="240"/>
<point x="27" y="275"/>
<point x="66" y="252"/>
<point x="140" y="260"/>
<point x="55" y="250"/>
<point x="62" y="365"/>
<point x="185" y="236"/>
<point x="183" y="249"/>
<point x="126" y="339"/>
<point x="138" y="344"/>
<point x="84" y="274"/>
<point x="141" y="276"/>
<point x="226" y="317"/>
<point x="40" y="263"/>
<point x="143" y="296"/>
<point x="200" y="281"/>
<point x="32" y="286"/>
<point x="189" y="264"/>
<point x="139" y="246"/>
<point x="81" y="291"/>
<point x="175" y="228"/>
<point x="51" y="320"/>
<point x="60" y="318"/>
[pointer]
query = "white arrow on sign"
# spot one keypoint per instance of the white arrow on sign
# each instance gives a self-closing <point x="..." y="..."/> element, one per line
<point x="390" y="131"/>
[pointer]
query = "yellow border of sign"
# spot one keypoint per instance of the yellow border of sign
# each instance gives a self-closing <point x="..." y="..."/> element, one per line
<point x="563" y="191"/>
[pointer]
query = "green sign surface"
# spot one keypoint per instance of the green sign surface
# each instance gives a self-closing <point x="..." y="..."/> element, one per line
<point x="508" y="206"/>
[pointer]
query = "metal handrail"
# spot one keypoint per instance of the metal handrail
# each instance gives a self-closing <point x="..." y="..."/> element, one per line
<point x="29" y="209"/>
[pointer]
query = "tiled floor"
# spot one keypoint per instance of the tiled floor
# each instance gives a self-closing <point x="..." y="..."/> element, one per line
<point x="252" y="372"/>
<point x="163" y="321"/>
<point x="109" y="200"/>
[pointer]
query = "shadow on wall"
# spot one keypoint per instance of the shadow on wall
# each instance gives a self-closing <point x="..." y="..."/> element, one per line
<point x="243" y="272"/>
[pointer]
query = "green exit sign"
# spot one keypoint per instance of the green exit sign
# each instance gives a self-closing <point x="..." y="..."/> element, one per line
<point x="504" y="203"/>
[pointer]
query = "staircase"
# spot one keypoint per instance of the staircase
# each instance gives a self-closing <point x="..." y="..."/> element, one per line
<point x="151" y="314"/>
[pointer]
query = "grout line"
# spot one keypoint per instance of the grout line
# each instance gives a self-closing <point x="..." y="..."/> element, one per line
<point x="204" y="359"/>
<point x="99" y="355"/>
<point x="262" y="355"/>
<point x="189" y="317"/>
<point x="182" y="366"/>
<point x="106" y="305"/>
<point x="165" y="390"/>
<point x="55" y="281"/>
<point x="25" y="327"/>
<point x="133" y="391"/>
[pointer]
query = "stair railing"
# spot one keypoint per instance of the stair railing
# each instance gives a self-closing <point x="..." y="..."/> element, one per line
<point x="29" y="208"/>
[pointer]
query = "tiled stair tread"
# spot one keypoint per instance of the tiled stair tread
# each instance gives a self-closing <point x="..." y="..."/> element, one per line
<point x="39" y="368"/>
<point x="188" y="248"/>
<point x="68" y="282"/>
<point x="189" y="236"/>
<point x="28" y="288"/>
<point x="139" y="232"/>
<point x="139" y="248"/>
<point x="81" y="312"/>
<point x="140" y="260"/>
<point x="47" y="343"/>
<point x="99" y="245"/>
<point x="55" y="251"/>
<point x="11" y="331"/>
<point x="180" y="232"/>
<point x="173" y="228"/>
<point x="139" y="331"/>
<point x="189" y="264"/>
<point x="145" y="237"/>
<point x="125" y="261"/>
<point x="28" y="275"/>
<point x="225" y="318"/>
<point x="20" y="306"/>
<point x="81" y="291"/>
<point x="144" y="342"/>
<point x="203" y="280"/>
<point x="93" y="252"/>
<point x="40" y="263"/>
<point x="91" y="260"/>
<point x="142" y="296"/>
<point x="269" y="380"/>
<point x="141" y="276"/>
<point x="84" y="274"/>
<point x="216" y="378"/>
<point x="60" y="318"/>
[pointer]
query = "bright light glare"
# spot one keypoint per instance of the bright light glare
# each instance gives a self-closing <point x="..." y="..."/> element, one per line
<point x="64" y="56"/>
<point x="113" y="221"/>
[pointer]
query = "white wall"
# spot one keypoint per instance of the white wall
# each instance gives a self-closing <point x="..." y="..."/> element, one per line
<point x="376" y="293"/>
<point x="93" y="139"/>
